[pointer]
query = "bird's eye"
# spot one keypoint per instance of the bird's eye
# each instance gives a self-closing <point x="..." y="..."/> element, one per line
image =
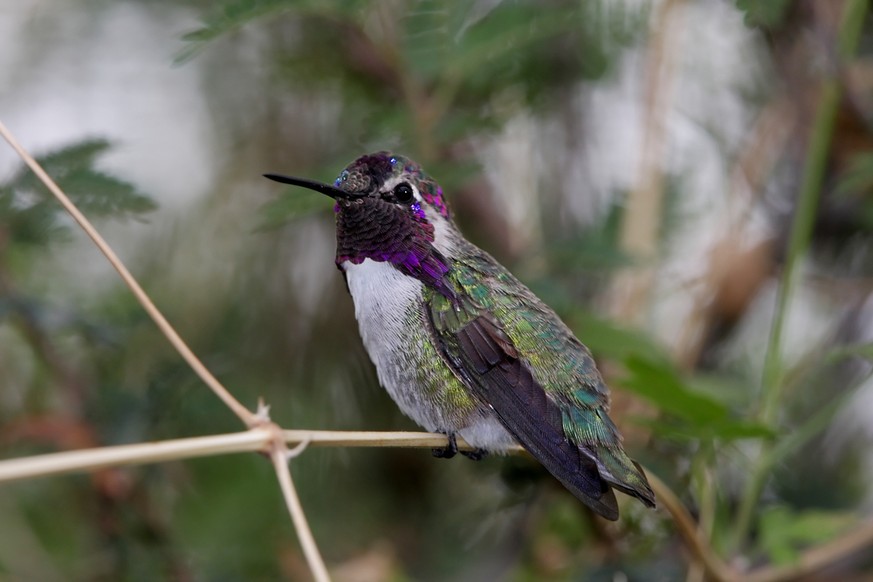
<point x="403" y="193"/>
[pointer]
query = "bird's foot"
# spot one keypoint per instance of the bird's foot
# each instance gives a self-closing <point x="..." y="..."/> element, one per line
<point x="449" y="451"/>
<point x="475" y="454"/>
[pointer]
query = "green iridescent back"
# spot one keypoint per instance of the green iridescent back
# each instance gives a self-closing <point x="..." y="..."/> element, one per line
<point x="560" y="364"/>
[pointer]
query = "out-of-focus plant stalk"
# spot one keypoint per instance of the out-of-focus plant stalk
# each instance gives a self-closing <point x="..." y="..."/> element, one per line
<point x="641" y="224"/>
<point x="801" y="231"/>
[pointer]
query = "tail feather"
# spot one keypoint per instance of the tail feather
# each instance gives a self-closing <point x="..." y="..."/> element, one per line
<point x="623" y="473"/>
<point x="598" y="440"/>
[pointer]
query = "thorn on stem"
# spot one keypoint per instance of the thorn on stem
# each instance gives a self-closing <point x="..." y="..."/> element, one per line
<point x="299" y="448"/>
<point x="262" y="414"/>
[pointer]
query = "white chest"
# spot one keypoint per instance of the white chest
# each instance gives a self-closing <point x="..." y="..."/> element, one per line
<point x="388" y="310"/>
<point x="384" y="299"/>
<point x="388" y="307"/>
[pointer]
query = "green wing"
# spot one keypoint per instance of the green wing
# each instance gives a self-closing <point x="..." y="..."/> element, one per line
<point x="521" y="360"/>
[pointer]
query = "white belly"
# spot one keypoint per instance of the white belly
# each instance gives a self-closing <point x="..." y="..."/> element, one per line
<point x="388" y="310"/>
<point x="388" y="307"/>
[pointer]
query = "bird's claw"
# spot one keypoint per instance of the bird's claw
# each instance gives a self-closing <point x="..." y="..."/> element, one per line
<point x="475" y="454"/>
<point x="449" y="451"/>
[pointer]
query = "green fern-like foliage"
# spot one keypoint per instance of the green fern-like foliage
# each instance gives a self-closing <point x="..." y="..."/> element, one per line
<point x="32" y="216"/>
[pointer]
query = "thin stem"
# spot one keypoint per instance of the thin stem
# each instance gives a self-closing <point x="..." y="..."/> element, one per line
<point x="137" y="454"/>
<point x="689" y="531"/>
<point x="292" y="501"/>
<point x="259" y="438"/>
<point x="172" y="336"/>
<point x="706" y="495"/>
<point x="256" y="439"/>
<point x="805" y="432"/>
<point x="772" y="384"/>
<point x="801" y="230"/>
<point x="262" y="437"/>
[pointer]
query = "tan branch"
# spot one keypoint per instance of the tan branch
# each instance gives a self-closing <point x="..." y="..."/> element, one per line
<point x="280" y="459"/>
<point x="256" y="439"/>
<point x="262" y="435"/>
<point x="641" y="220"/>
<point x="138" y="454"/>
<point x="689" y="532"/>
<point x="259" y="439"/>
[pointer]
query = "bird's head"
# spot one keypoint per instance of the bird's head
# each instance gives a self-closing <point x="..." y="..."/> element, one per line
<point x="388" y="209"/>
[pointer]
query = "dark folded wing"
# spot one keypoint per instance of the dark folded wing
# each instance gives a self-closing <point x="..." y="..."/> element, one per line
<point x="485" y="359"/>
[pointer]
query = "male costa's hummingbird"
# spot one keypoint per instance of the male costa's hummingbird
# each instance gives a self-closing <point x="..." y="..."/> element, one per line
<point x="460" y="344"/>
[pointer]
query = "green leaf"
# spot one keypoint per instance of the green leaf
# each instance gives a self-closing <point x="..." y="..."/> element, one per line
<point x="58" y="164"/>
<point x="431" y="31"/>
<point x="728" y="429"/>
<point x="595" y="248"/>
<point x="842" y="352"/>
<point x="230" y="16"/>
<point x="35" y="218"/>
<point x="814" y="369"/>
<point x="764" y="13"/>
<point x="783" y="531"/>
<point x="99" y="194"/>
<point x="659" y="383"/>
<point x="690" y="413"/>
<point x="606" y="339"/>
<point x="506" y="48"/>
<point x="858" y="177"/>
<point x="35" y="225"/>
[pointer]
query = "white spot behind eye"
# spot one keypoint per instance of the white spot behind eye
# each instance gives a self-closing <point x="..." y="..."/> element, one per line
<point x="389" y="185"/>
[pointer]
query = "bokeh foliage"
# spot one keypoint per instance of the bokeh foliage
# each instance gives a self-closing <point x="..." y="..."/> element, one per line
<point x="436" y="81"/>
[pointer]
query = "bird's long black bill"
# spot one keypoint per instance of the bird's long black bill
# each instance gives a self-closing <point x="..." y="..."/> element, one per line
<point x="325" y="189"/>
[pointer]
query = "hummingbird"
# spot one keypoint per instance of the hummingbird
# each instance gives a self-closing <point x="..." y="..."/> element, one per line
<point x="461" y="345"/>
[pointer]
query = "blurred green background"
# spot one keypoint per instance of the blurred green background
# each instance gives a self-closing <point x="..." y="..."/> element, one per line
<point x="688" y="183"/>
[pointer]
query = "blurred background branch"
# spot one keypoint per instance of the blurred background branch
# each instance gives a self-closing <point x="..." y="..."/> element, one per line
<point x="818" y="149"/>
